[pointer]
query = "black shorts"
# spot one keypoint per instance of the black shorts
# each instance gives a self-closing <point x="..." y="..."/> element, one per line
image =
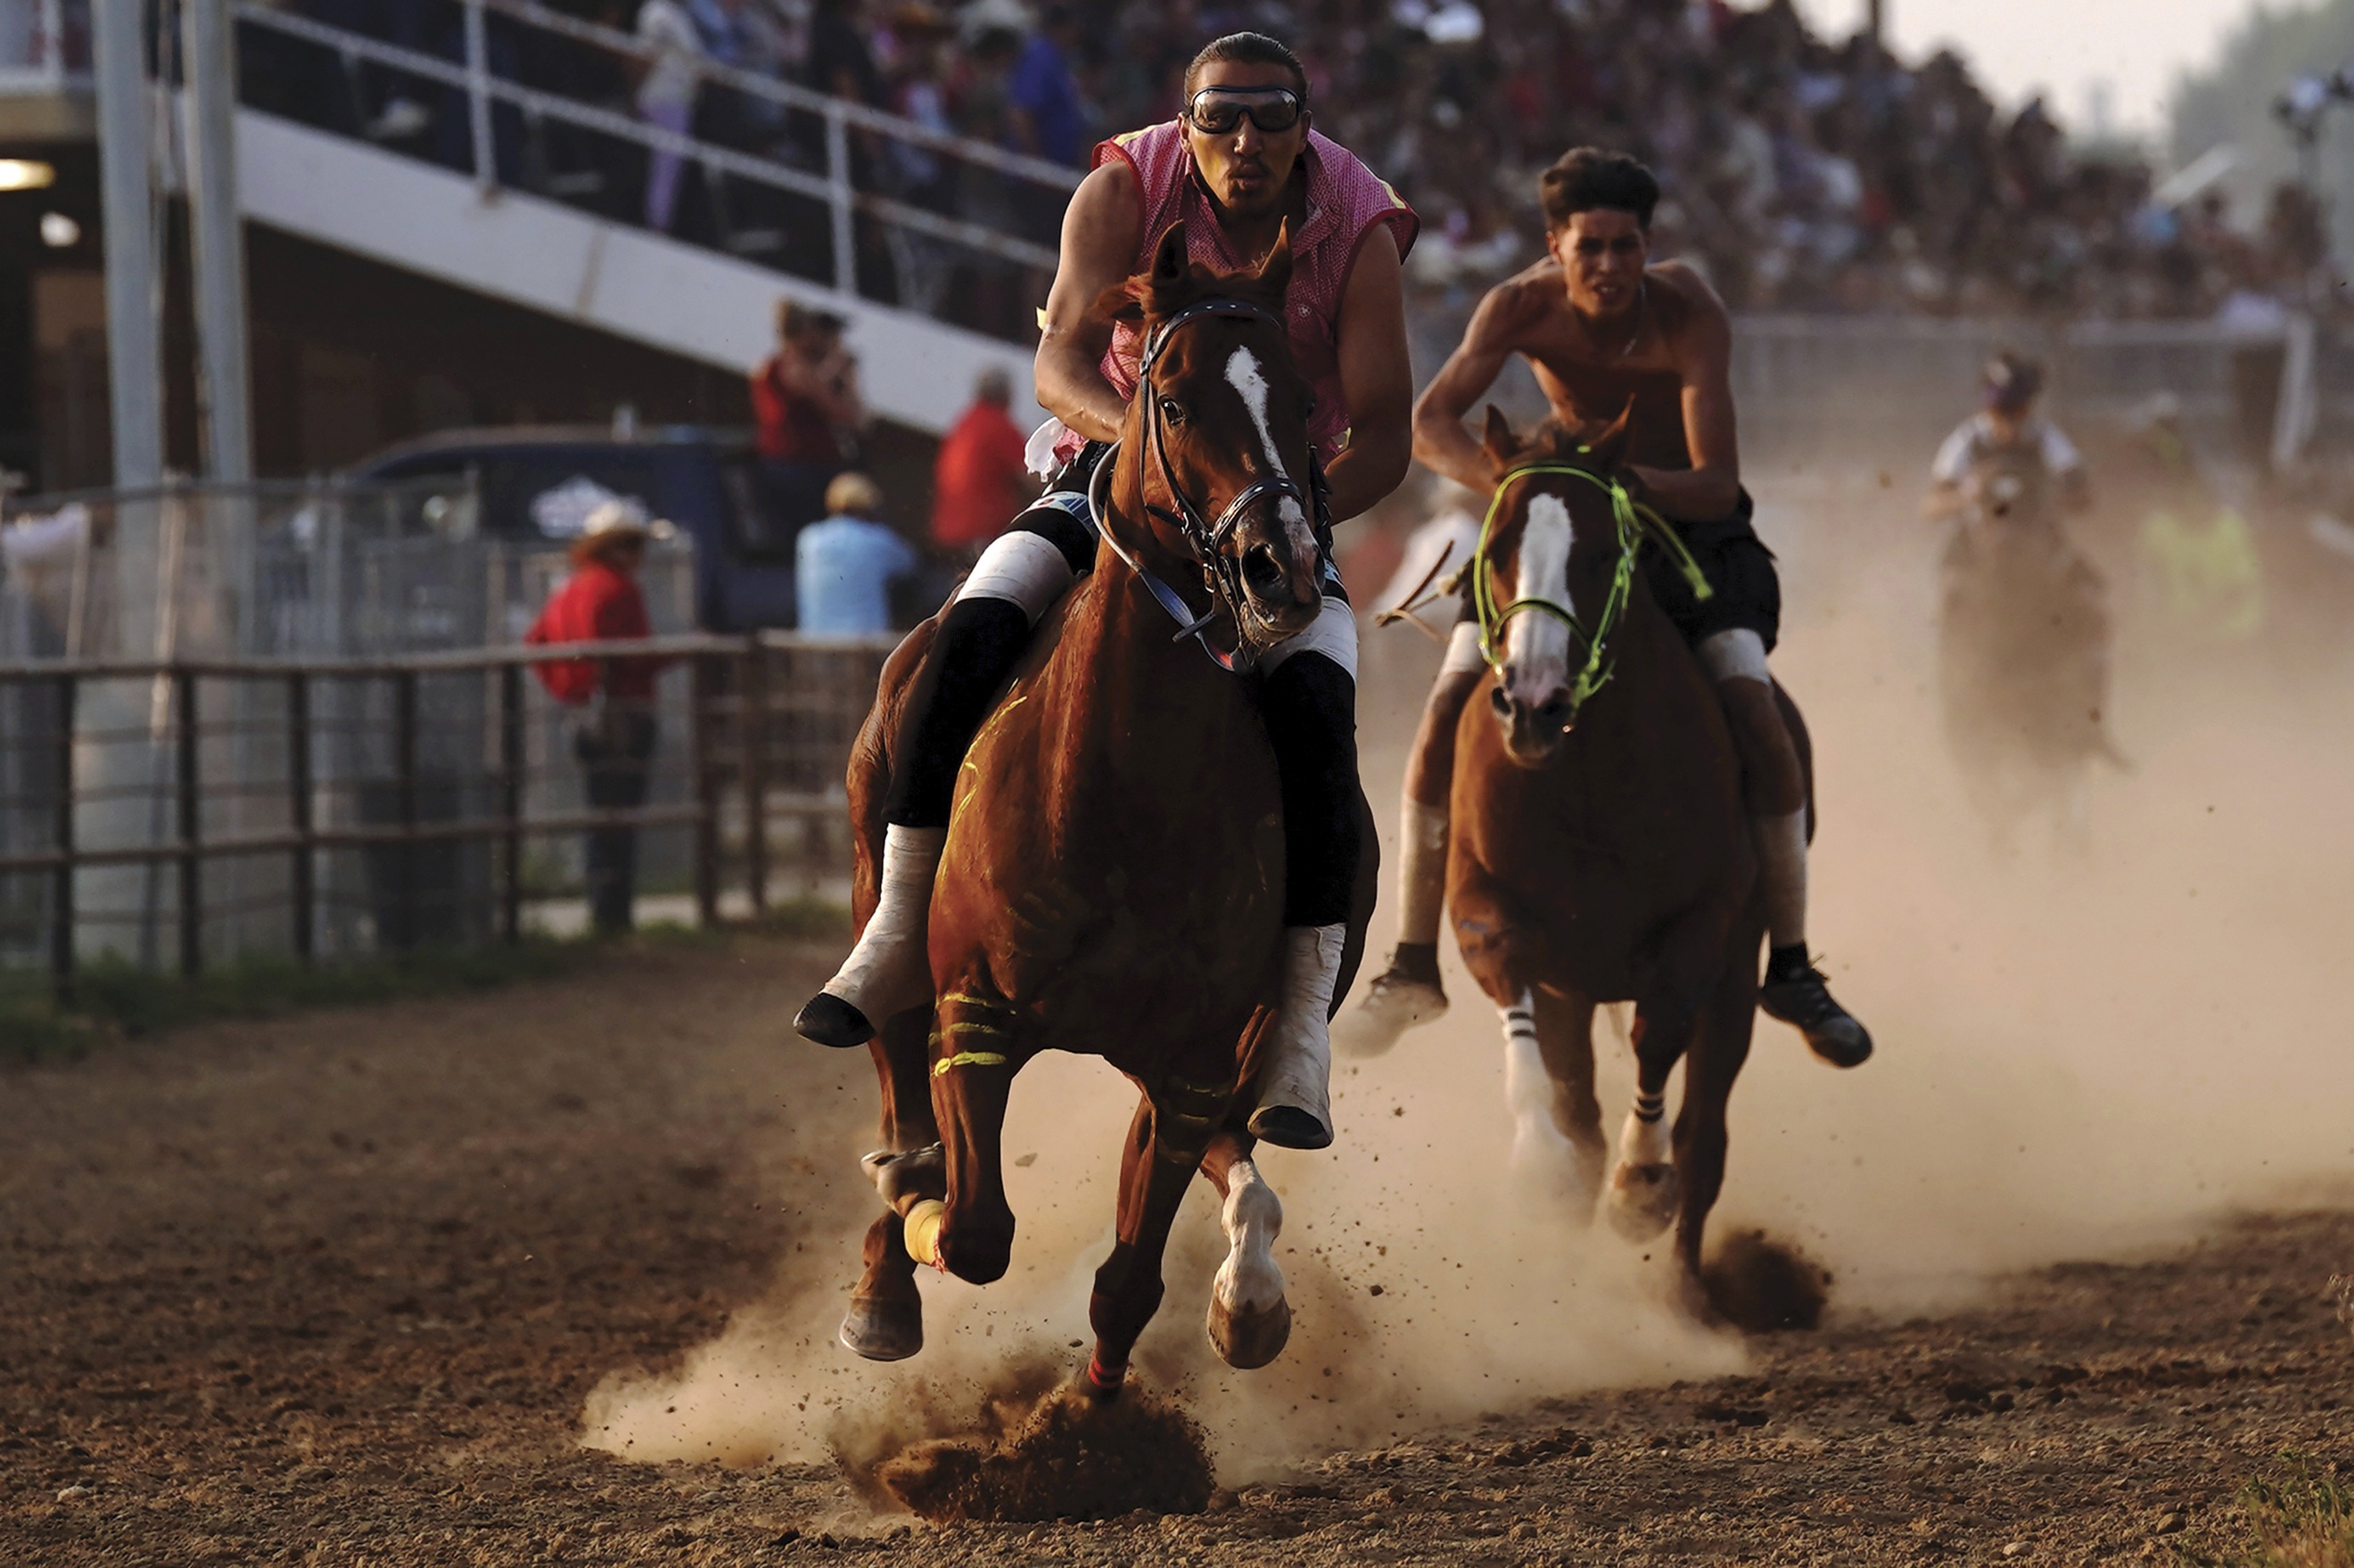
<point x="1740" y="569"/>
<point x="1747" y="591"/>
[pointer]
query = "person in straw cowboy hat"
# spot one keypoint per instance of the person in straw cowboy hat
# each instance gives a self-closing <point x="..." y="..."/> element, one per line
<point x="612" y="700"/>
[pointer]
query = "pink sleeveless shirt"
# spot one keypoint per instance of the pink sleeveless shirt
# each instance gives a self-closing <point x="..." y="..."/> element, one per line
<point x="1346" y="203"/>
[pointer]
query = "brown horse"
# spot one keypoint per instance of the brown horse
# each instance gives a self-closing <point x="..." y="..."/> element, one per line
<point x="1601" y="852"/>
<point x="1112" y="884"/>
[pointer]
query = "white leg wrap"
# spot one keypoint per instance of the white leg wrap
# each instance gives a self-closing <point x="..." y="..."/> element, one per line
<point x="1298" y="1068"/>
<point x="1642" y="1142"/>
<point x="1782" y="862"/>
<point x="1250" y="1280"/>
<point x="890" y="971"/>
<point x="1463" y="651"/>
<point x="1027" y="569"/>
<point x="1538" y="1145"/>
<point x="1333" y="634"/>
<point x="1421" y="871"/>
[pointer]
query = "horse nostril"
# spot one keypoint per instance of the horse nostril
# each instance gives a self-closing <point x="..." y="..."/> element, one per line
<point x="1263" y="570"/>
<point x="1501" y="700"/>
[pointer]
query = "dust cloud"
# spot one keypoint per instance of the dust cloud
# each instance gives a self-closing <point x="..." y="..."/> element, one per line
<point x="2085" y="1052"/>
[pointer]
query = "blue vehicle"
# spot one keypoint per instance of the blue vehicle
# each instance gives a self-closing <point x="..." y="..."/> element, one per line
<point x="527" y="479"/>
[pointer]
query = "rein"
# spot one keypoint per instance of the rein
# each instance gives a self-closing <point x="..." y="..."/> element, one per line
<point x="1633" y="521"/>
<point x="1204" y="537"/>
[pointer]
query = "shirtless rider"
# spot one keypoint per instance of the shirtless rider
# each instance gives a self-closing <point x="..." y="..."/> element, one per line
<point x="1600" y="326"/>
<point x="1238" y="163"/>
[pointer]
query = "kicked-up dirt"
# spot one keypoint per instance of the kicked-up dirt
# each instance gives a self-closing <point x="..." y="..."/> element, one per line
<point x="337" y="1289"/>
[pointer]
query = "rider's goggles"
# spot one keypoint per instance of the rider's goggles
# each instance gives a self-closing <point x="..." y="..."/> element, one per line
<point x="1219" y="111"/>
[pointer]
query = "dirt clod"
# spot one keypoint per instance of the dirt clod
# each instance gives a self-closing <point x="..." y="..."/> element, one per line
<point x="1761" y="1286"/>
<point x="1067" y="1458"/>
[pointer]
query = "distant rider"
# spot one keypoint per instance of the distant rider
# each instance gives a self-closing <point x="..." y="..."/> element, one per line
<point x="2005" y="425"/>
<point x="1239" y="162"/>
<point x="1604" y="330"/>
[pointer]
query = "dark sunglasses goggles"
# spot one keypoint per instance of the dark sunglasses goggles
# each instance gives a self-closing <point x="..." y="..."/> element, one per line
<point x="1219" y="111"/>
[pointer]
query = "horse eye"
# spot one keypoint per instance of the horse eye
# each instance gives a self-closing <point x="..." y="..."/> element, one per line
<point x="1173" y="410"/>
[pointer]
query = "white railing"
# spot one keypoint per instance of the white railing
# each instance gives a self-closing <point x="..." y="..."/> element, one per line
<point x="834" y="187"/>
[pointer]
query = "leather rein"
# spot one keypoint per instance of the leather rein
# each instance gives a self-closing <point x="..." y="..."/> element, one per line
<point x="1205" y="537"/>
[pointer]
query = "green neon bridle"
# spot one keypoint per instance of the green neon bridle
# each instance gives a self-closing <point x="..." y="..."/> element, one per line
<point x="1633" y="520"/>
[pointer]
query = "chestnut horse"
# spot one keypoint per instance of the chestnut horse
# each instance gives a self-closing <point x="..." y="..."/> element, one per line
<point x="1112" y="884"/>
<point x="1601" y="852"/>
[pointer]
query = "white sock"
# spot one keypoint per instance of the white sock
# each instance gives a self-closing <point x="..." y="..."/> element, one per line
<point x="1782" y="862"/>
<point x="1421" y="871"/>
<point x="889" y="972"/>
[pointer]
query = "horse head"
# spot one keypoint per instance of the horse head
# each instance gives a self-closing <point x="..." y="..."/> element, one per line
<point x="1551" y="576"/>
<point x="1217" y="438"/>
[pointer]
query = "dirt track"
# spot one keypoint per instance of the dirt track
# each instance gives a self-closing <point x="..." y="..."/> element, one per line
<point x="335" y="1289"/>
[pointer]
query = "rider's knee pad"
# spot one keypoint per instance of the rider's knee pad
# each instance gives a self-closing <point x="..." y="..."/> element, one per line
<point x="1022" y="568"/>
<point x="1736" y="656"/>
<point x="1333" y="634"/>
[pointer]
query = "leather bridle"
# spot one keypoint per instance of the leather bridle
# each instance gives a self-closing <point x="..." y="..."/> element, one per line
<point x="1205" y="537"/>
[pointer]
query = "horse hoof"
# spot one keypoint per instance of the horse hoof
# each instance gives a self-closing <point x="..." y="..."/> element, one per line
<point x="1643" y="1199"/>
<point x="1393" y="1005"/>
<point x="830" y="1020"/>
<point x="1250" y="1338"/>
<point x="916" y="1174"/>
<point x="1102" y="1387"/>
<point x="882" y="1329"/>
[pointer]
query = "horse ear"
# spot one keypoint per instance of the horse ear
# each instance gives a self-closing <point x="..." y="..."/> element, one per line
<point x="1171" y="262"/>
<point x="1501" y="444"/>
<point x="1607" y="448"/>
<point x="1274" y="274"/>
<point x="1123" y="302"/>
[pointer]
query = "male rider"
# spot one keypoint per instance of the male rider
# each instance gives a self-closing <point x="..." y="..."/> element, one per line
<point x="1239" y="164"/>
<point x="1602" y="329"/>
<point x="2006" y="422"/>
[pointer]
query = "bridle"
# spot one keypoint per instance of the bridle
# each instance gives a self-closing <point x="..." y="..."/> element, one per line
<point x="1633" y="522"/>
<point x="1205" y="537"/>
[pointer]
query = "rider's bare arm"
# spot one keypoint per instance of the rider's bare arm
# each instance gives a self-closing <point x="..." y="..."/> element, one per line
<point x="1442" y="443"/>
<point x="1376" y="377"/>
<point x="1703" y="352"/>
<point x="1099" y="238"/>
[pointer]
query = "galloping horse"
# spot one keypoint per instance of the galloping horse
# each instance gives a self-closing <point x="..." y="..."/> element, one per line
<point x="1601" y="852"/>
<point x="2022" y="650"/>
<point x="1112" y="884"/>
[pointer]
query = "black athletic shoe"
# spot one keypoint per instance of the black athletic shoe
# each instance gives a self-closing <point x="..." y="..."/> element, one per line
<point x="1795" y="993"/>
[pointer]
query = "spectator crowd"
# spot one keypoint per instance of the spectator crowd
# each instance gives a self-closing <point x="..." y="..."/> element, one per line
<point x="1802" y="172"/>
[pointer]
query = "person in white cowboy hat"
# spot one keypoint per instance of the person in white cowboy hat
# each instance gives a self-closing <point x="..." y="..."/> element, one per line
<point x="613" y="699"/>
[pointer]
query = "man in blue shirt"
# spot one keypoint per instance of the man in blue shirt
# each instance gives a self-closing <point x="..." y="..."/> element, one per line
<point x="843" y="567"/>
<point x="1043" y="94"/>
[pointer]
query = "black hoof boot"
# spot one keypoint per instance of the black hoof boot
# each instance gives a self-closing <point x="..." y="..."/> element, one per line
<point x="1796" y="993"/>
<point x="830" y="1020"/>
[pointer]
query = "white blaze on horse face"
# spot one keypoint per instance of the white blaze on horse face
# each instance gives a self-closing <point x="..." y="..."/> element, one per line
<point x="1244" y="375"/>
<point x="1249" y="1281"/>
<point x="1536" y="645"/>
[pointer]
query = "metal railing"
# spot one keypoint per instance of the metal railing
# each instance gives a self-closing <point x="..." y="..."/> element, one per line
<point x="835" y="187"/>
<point x="283" y="788"/>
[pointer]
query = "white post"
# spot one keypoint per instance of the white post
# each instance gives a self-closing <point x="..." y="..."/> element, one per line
<point x="477" y="100"/>
<point x="2295" y="413"/>
<point x="217" y="239"/>
<point x="53" y="40"/>
<point x="837" y="179"/>
<point x="133" y="305"/>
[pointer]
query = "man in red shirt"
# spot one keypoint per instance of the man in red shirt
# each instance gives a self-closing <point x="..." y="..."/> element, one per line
<point x="805" y="402"/>
<point x="981" y="480"/>
<point x="612" y="699"/>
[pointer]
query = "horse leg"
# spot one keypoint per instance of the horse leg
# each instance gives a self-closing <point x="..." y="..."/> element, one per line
<point x="1565" y="1037"/>
<point x="1714" y="1060"/>
<point x="885" y="1321"/>
<point x="969" y="1231"/>
<point x="1543" y="1156"/>
<point x="1249" y="1319"/>
<point x="1165" y="1145"/>
<point x="1644" y="1195"/>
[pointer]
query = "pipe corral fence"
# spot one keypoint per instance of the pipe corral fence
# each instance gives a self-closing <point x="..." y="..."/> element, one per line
<point x="187" y="811"/>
